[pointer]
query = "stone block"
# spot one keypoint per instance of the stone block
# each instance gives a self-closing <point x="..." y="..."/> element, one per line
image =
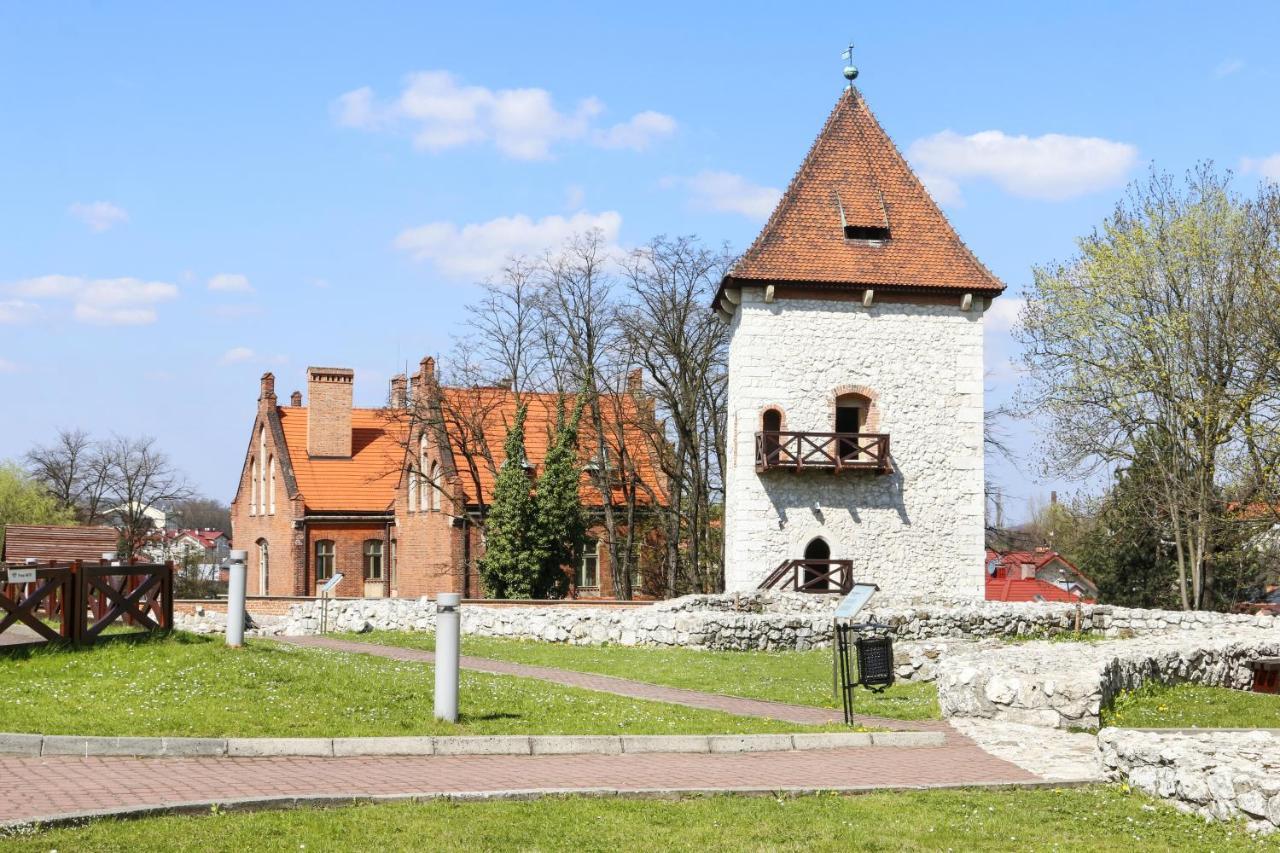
<point x="830" y="740"/>
<point x="484" y="745"/>
<point x="749" y="743"/>
<point x="576" y="744"/>
<point x="20" y="744"/>
<point x="348" y="746"/>
<point x="194" y="746"/>
<point x="263" y="746"/>
<point x="665" y="743"/>
<point x="907" y="738"/>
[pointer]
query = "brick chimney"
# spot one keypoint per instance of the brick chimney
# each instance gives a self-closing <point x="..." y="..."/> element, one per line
<point x="329" y="418"/>
<point x="295" y="399"/>
<point x="399" y="391"/>
<point x="267" y="391"/>
<point x="635" y="382"/>
<point x="424" y="378"/>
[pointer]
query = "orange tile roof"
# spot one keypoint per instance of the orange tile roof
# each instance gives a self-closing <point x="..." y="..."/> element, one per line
<point x="853" y="165"/>
<point x="364" y="483"/>
<point x="367" y="482"/>
<point x="494" y="409"/>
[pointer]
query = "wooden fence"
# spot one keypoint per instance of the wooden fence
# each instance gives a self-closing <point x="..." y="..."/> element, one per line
<point x="76" y="602"/>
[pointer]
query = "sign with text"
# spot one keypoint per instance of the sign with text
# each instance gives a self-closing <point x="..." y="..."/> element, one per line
<point x="22" y="575"/>
<point x="331" y="584"/>
<point x="855" y="600"/>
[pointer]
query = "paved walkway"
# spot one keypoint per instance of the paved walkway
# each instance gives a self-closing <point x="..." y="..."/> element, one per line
<point x="34" y="788"/>
<point x="803" y="714"/>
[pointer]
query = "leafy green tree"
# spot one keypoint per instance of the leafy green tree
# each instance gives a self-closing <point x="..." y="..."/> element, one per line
<point x="24" y="501"/>
<point x="513" y="558"/>
<point x="561" y="525"/>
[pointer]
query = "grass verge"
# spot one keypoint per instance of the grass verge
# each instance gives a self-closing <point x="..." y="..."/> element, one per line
<point x="194" y="686"/>
<point x="1078" y="819"/>
<point x="1185" y="706"/>
<point x="801" y="678"/>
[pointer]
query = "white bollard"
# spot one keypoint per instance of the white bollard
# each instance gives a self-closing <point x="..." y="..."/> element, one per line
<point x="448" y="628"/>
<point x="235" y="598"/>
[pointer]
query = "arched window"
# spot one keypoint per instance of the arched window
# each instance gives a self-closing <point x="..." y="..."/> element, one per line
<point x="395" y="574"/>
<point x="271" y="487"/>
<point x="771" y="420"/>
<point x="413" y="488"/>
<point x="852" y="411"/>
<point x="434" y="486"/>
<point x="262" y="470"/>
<point x="253" y="486"/>
<point x="324" y="559"/>
<point x="264" y="568"/>
<point x="424" y="496"/>
<point x="373" y="559"/>
<point x="771" y="425"/>
<point x="589" y="567"/>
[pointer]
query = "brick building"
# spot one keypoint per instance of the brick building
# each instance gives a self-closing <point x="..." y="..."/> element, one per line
<point x="392" y="498"/>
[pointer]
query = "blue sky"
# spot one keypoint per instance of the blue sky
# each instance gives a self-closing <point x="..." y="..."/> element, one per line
<point x="191" y="195"/>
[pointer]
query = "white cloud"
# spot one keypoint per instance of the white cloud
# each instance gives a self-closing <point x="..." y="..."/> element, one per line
<point x="227" y="282"/>
<point x="480" y="249"/>
<point x="728" y="193"/>
<point x="15" y="311"/>
<point x="442" y="113"/>
<point x="98" y="215"/>
<point x="1267" y="167"/>
<point x="1003" y="313"/>
<point x="236" y="355"/>
<point x="100" y="301"/>
<point x="1052" y="167"/>
<point x="7" y="366"/>
<point x="638" y="133"/>
<point x="943" y="189"/>
<point x="1227" y="67"/>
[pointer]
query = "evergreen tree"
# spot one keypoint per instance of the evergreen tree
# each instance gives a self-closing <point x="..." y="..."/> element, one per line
<point x="561" y="525"/>
<point x="512" y="559"/>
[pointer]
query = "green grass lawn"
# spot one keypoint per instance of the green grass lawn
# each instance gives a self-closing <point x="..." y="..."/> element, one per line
<point x="188" y="685"/>
<point x="1079" y="819"/>
<point x="1185" y="706"/>
<point x="802" y="678"/>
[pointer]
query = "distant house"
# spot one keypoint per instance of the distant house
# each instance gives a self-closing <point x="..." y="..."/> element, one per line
<point x="1037" y="575"/>
<point x="210" y="546"/>
<point x="157" y="516"/>
<point x="45" y="543"/>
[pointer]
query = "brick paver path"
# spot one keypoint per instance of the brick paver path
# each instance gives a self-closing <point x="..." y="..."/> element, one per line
<point x="33" y="788"/>
<point x="803" y="714"/>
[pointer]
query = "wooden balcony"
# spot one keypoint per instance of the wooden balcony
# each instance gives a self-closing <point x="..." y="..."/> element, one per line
<point x="823" y="451"/>
<point x="811" y="576"/>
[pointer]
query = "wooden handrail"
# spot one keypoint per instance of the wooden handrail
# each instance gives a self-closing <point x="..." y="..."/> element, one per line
<point x="828" y="451"/>
<point x="811" y="576"/>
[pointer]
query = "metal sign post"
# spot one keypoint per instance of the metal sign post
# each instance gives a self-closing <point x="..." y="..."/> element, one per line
<point x="326" y="592"/>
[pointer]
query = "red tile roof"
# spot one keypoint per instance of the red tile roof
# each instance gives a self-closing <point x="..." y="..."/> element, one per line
<point x="62" y="544"/>
<point x="1009" y="589"/>
<point x="853" y="165"/>
<point x="367" y="482"/>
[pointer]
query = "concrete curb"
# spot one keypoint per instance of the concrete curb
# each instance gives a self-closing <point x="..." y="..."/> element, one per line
<point x="320" y="801"/>
<point x="178" y="747"/>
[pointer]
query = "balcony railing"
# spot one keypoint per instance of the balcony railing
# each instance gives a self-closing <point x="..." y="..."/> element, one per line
<point x="823" y="451"/>
<point x="811" y="576"/>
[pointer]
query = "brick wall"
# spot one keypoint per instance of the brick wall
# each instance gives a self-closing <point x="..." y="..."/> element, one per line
<point x="285" y="544"/>
<point x="348" y="546"/>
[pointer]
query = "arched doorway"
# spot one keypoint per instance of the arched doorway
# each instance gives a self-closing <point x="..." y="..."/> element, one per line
<point x="770" y="426"/>
<point x="817" y="549"/>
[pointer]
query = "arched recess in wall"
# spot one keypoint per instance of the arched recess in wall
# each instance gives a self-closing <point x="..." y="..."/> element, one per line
<point x="264" y="568"/>
<point x="818" y="550"/>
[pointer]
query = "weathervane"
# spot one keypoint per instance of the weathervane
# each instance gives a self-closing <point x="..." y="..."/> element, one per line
<point x="850" y="72"/>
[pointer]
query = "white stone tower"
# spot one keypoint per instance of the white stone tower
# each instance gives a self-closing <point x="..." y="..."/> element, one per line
<point x="855" y="379"/>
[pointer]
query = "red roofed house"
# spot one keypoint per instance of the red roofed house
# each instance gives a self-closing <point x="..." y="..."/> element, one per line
<point x="1039" y="575"/>
<point x="855" y="377"/>
<point x="328" y="488"/>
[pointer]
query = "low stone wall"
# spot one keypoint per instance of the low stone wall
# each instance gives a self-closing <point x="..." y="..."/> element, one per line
<point x="1067" y="684"/>
<point x="1218" y="774"/>
<point x="756" y="620"/>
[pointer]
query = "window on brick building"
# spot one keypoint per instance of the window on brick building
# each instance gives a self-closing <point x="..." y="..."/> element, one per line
<point x="395" y="574"/>
<point x="262" y="470"/>
<point x="434" y="486"/>
<point x="589" y="568"/>
<point x="424" y="488"/>
<point x="264" y="568"/>
<point x="324" y="559"/>
<point x="271" y="487"/>
<point x="253" y="486"/>
<point x="373" y="559"/>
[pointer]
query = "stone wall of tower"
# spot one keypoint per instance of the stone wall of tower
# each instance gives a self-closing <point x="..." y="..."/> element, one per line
<point x="917" y="531"/>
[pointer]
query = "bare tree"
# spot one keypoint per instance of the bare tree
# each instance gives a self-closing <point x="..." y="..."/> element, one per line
<point x="682" y="347"/>
<point x="72" y="469"/>
<point x="140" y="478"/>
